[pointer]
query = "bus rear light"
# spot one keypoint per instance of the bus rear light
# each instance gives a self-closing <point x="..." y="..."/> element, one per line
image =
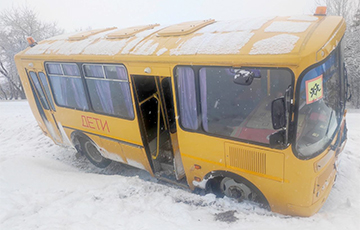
<point x="320" y="11"/>
<point x="31" y="41"/>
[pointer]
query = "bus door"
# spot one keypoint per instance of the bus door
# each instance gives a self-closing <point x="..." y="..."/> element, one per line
<point x="157" y="121"/>
<point x="44" y="102"/>
<point x="168" y="102"/>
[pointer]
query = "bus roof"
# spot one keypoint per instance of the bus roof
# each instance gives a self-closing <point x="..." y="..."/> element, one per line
<point x="284" y="38"/>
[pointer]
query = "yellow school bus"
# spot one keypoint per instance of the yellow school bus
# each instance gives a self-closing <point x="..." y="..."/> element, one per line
<point x="253" y="109"/>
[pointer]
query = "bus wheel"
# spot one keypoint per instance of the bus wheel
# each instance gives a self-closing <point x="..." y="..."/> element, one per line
<point x="242" y="190"/>
<point x="93" y="154"/>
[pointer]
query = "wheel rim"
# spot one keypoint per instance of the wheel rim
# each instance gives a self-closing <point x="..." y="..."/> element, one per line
<point x="236" y="190"/>
<point x="92" y="152"/>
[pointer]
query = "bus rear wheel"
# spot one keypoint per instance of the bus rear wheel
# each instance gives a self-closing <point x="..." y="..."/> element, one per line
<point x="242" y="190"/>
<point x="93" y="154"/>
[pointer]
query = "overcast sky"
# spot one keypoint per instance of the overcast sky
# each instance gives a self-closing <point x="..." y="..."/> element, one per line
<point x="81" y="14"/>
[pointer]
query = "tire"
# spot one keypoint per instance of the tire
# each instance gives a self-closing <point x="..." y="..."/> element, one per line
<point x="92" y="153"/>
<point x="242" y="190"/>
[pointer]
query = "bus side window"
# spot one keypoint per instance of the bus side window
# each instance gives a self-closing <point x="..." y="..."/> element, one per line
<point x="39" y="90"/>
<point x="109" y="90"/>
<point x="186" y="88"/>
<point x="67" y="85"/>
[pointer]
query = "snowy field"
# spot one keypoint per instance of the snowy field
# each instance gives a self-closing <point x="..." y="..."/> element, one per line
<point x="44" y="186"/>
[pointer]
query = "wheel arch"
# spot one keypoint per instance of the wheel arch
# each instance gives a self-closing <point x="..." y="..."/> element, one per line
<point x="213" y="178"/>
<point x="76" y="138"/>
<point x="80" y="140"/>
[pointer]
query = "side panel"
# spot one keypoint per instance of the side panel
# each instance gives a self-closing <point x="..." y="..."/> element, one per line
<point x="212" y="154"/>
<point x="117" y="139"/>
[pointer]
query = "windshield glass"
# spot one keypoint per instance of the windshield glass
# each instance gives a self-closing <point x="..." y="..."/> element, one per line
<point x="320" y="107"/>
<point x="240" y="111"/>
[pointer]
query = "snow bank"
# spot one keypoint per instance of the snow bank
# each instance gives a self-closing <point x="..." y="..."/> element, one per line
<point x="44" y="186"/>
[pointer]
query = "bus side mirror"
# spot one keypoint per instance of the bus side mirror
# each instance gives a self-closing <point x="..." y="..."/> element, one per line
<point x="245" y="76"/>
<point x="278" y="113"/>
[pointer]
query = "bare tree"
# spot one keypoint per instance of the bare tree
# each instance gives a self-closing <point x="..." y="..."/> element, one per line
<point x="352" y="57"/>
<point x="352" y="60"/>
<point x="350" y="10"/>
<point x="356" y="18"/>
<point x="344" y="8"/>
<point x="16" y="24"/>
<point x="3" y="94"/>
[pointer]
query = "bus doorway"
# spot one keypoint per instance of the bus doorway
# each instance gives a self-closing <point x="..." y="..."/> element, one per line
<point x="44" y="102"/>
<point x="157" y="122"/>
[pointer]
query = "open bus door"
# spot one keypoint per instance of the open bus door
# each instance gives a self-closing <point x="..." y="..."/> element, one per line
<point x="44" y="103"/>
<point x="157" y="121"/>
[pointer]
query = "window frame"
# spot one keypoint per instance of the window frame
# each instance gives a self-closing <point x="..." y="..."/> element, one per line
<point x="197" y="98"/>
<point x="80" y="66"/>
<point x="40" y="94"/>
<point x="47" y="74"/>
<point x="297" y="104"/>
<point x="82" y="70"/>
<point x="200" y="129"/>
<point x="104" y="72"/>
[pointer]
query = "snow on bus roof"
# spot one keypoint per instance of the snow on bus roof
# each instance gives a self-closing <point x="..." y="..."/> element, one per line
<point x="247" y="24"/>
<point x="105" y="47"/>
<point x="213" y="43"/>
<point x="145" y="48"/>
<point x="303" y="18"/>
<point x="279" y="44"/>
<point x="288" y="27"/>
<point x="220" y="38"/>
<point x="62" y="45"/>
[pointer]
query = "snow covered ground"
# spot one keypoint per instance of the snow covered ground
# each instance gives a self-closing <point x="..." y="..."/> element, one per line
<point x="44" y="186"/>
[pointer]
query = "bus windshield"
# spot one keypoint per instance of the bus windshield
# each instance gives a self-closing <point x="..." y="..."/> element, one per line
<point x="229" y="109"/>
<point x="320" y="107"/>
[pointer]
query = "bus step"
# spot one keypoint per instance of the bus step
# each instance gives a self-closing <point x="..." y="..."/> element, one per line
<point x="167" y="168"/>
<point x="172" y="180"/>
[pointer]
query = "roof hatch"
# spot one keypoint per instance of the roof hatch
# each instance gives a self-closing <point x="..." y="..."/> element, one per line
<point x="86" y="34"/>
<point x="129" y="32"/>
<point x="184" y="28"/>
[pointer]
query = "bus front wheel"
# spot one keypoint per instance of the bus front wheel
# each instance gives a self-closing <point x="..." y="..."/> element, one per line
<point x="93" y="154"/>
<point x="242" y="190"/>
